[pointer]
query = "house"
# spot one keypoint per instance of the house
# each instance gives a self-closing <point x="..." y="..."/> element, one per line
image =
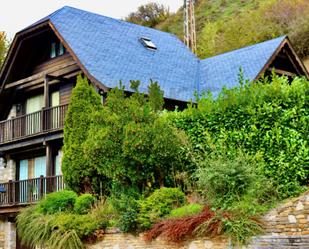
<point x="40" y="71"/>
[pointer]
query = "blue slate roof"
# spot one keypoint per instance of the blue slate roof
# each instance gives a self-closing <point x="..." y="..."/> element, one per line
<point x="110" y="51"/>
<point x="223" y="70"/>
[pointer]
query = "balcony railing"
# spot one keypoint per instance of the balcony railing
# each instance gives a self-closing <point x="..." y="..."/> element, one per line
<point x="29" y="191"/>
<point x="46" y="120"/>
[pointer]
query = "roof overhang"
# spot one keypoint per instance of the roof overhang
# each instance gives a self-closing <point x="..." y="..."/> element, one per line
<point x="29" y="33"/>
<point x="293" y="57"/>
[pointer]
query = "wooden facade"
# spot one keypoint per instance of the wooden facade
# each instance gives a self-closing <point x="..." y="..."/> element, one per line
<point x="35" y="89"/>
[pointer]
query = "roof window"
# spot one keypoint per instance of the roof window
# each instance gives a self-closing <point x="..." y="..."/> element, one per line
<point x="148" y="43"/>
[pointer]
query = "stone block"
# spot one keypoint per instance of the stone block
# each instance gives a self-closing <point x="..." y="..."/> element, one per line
<point x="292" y="219"/>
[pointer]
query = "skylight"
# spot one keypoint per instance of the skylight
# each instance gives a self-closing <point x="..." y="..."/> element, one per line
<point x="148" y="43"/>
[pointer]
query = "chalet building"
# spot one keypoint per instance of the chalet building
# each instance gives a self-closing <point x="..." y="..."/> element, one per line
<point x="40" y="71"/>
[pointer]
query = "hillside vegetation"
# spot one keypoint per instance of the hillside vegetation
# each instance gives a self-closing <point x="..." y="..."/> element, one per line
<point x="224" y="25"/>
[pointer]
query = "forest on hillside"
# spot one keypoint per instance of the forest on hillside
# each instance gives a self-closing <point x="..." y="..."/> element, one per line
<point x="224" y="25"/>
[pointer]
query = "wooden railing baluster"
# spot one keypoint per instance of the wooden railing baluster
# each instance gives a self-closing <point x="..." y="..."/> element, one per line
<point x="29" y="191"/>
<point x="46" y="120"/>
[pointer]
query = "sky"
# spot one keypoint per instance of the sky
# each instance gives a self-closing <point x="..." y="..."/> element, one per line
<point x="17" y="14"/>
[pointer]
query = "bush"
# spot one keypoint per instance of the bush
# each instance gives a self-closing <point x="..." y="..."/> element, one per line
<point x="178" y="229"/>
<point x="84" y="203"/>
<point x="241" y="228"/>
<point x="269" y="118"/>
<point x="126" y="205"/>
<point x="224" y="179"/>
<point x="83" y="225"/>
<point x="40" y="230"/>
<point x="104" y="212"/>
<point x="57" y="202"/>
<point x="159" y="204"/>
<point x="187" y="210"/>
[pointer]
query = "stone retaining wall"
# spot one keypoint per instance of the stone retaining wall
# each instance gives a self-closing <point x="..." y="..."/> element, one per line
<point x="289" y="219"/>
<point x="286" y="227"/>
<point x="128" y="241"/>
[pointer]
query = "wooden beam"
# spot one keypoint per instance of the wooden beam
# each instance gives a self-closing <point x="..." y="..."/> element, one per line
<point x="29" y="87"/>
<point x="293" y="63"/>
<point x="271" y="59"/>
<point x="30" y="141"/>
<point x="56" y="71"/>
<point x="46" y="91"/>
<point x="14" y="208"/>
<point x="21" y="35"/>
<point x="281" y="72"/>
<point x="299" y="61"/>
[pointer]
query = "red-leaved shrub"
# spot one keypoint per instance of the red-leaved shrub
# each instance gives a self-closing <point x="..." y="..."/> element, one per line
<point x="178" y="229"/>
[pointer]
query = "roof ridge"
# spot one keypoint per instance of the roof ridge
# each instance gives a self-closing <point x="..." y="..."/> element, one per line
<point x="246" y="47"/>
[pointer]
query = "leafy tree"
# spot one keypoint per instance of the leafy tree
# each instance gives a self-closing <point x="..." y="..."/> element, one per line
<point x="78" y="174"/>
<point x="131" y="143"/>
<point x="3" y="47"/>
<point x="149" y="14"/>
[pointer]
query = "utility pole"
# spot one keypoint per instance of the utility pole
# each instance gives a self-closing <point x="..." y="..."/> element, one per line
<point x="189" y="25"/>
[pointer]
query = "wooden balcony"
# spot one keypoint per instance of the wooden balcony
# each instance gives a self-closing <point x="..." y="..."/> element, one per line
<point x="14" y="193"/>
<point x="33" y="124"/>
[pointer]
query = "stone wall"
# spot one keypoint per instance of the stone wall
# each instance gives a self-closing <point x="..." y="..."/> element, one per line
<point x="286" y="227"/>
<point x="129" y="241"/>
<point x="7" y="171"/>
<point x="291" y="218"/>
<point x="7" y="234"/>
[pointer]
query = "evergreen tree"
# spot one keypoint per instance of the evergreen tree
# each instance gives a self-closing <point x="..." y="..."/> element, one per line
<point x="132" y="144"/>
<point x="78" y="174"/>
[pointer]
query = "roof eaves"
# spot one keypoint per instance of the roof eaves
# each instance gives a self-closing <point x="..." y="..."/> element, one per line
<point x="93" y="79"/>
<point x="273" y="56"/>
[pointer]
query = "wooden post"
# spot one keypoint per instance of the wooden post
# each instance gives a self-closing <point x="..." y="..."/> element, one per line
<point x="49" y="160"/>
<point x="10" y="192"/>
<point x="46" y="91"/>
<point x="41" y="190"/>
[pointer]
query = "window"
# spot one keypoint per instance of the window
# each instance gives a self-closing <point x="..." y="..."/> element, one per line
<point x="56" y="49"/>
<point x="148" y="43"/>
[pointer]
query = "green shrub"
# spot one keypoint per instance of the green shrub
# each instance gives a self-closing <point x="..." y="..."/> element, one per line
<point x="47" y="231"/>
<point x="224" y="179"/>
<point x="57" y="202"/>
<point x="230" y="179"/>
<point x="241" y="228"/>
<point x="83" y="225"/>
<point x="84" y="203"/>
<point x="104" y="212"/>
<point x="159" y="204"/>
<point x="126" y="205"/>
<point x="187" y="210"/>
<point x="33" y="227"/>
<point x="269" y="117"/>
